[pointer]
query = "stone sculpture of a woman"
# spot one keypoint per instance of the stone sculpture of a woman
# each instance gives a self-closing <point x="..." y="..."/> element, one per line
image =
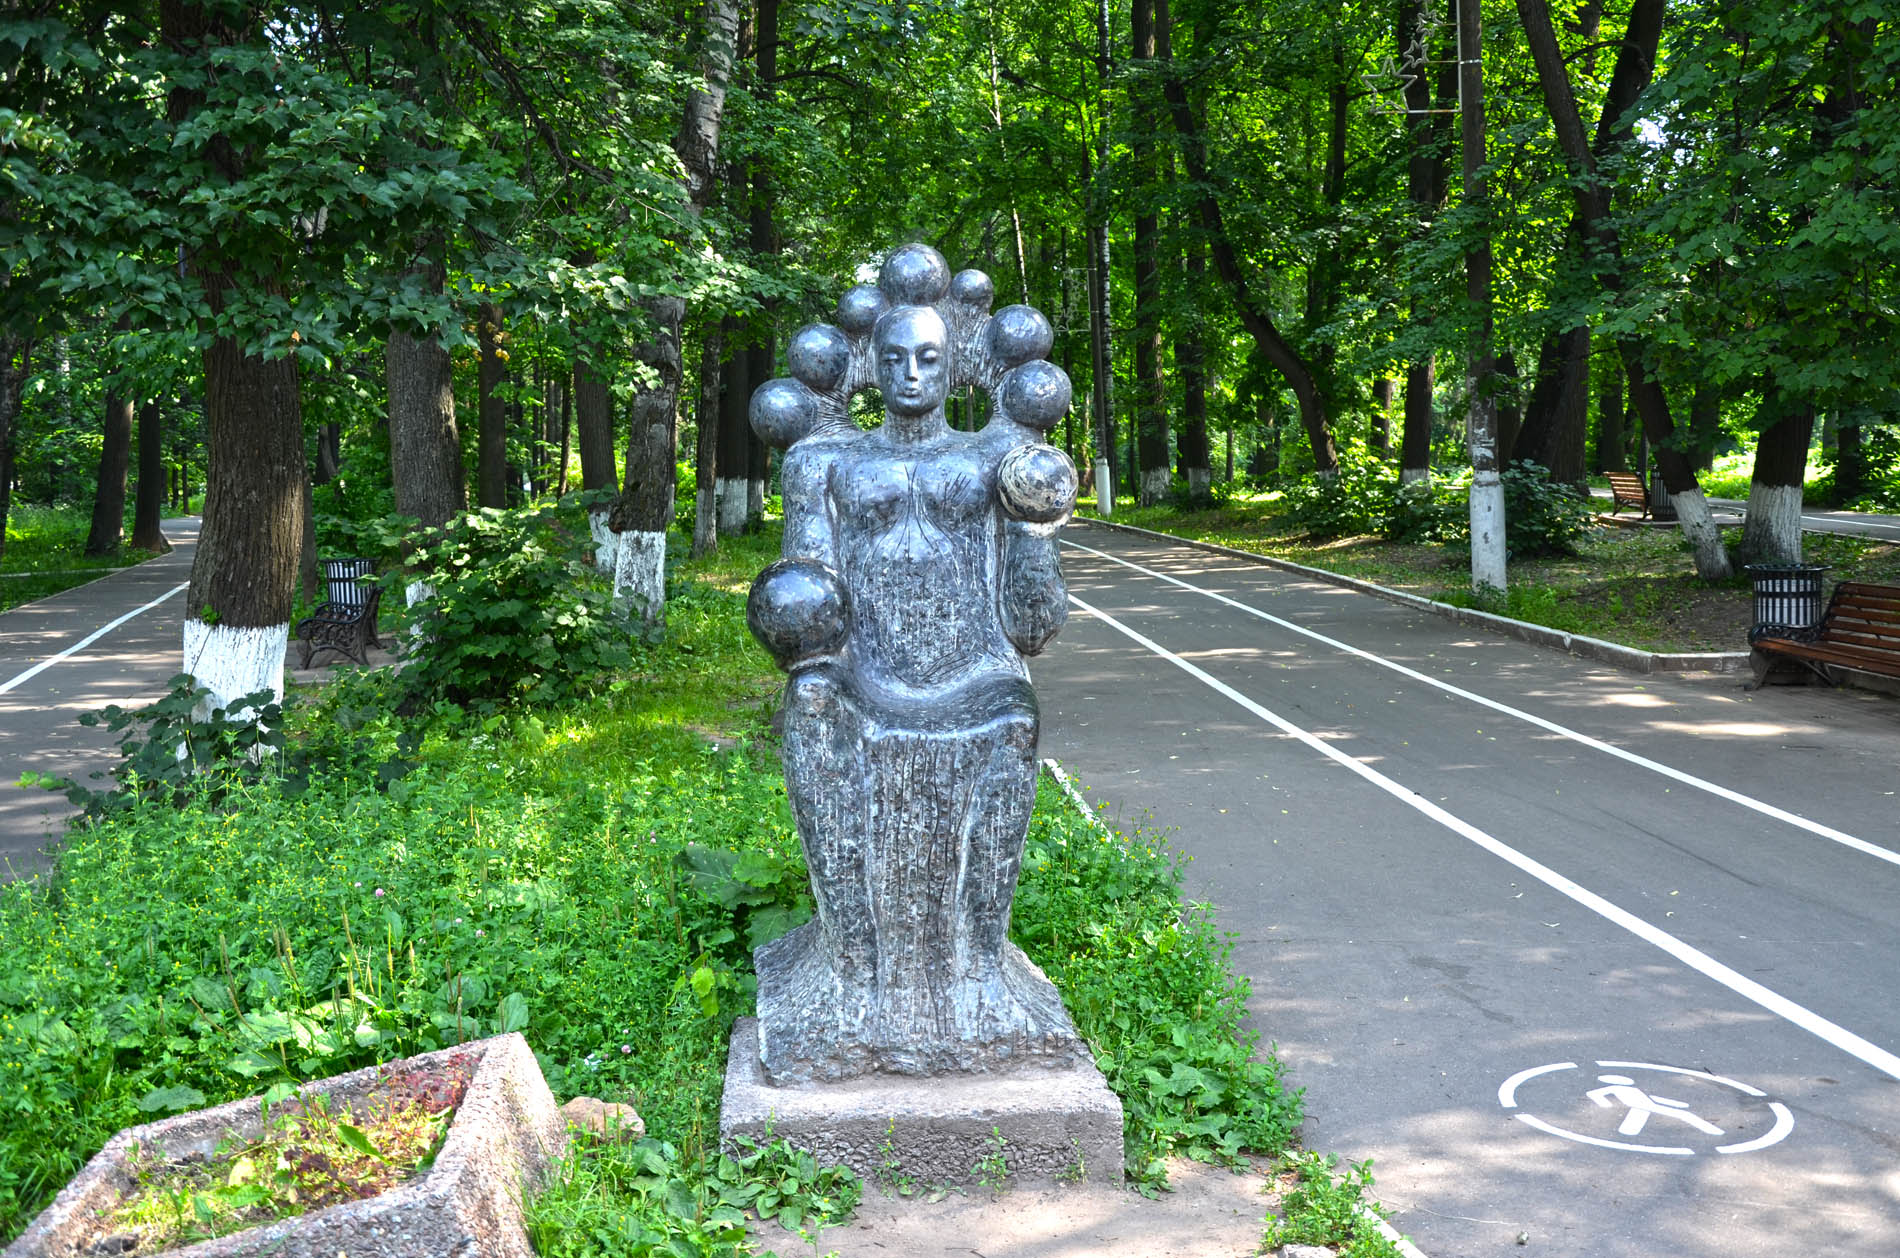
<point x="919" y="568"/>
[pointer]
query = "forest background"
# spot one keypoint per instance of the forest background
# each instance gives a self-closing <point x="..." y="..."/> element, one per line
<point x="331" y="263"/>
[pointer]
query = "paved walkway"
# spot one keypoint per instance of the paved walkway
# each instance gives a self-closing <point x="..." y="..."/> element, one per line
<point x="1599" y="958"/>
<point x="44" y="690"/>
<point x="1814" y="520"/>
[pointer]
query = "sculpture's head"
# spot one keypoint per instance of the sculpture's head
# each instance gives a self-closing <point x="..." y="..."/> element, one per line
<point x="911" y="349"/>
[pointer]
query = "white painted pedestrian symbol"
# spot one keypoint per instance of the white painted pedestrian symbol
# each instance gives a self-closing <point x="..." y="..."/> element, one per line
<point x="1623" y="1091"/>
<point x="1642" y="1109"/>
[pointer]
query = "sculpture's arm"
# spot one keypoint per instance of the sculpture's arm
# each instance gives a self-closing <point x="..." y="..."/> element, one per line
<point x="1033" y="601"/>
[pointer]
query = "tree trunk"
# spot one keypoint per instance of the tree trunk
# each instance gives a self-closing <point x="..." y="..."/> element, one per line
<point x="1151" y="386"/>
<point x="765" y="244"/>
<point x="1557" y="417"/>
<point x="1384" y="393"/>
<point x="706" y="450"/>
<point x="1488" y="570"/>
<point x="1190" y="361"/>
<point x="594" y="420"/>
<point x="491" y="464"/>
<point x="1850" y="465"/>
<point x="108" y="499"/>
<point x="244" y="572"/>
<point x="1415" y="440"/>
<point x="329" y="453"/>
<point x="15" y="354"/>
<point x="1424" y="177"/>
<point x="1771" y="533"/>
<point x="1612" y="434"/>
<point x="1101" y="337"/>
<point x="148" y="505"/>
<point x="735" y="430"/>
<point x="1253" y="313"/>
<point x="1635" y="63"/>
<point x="425" y="448"/>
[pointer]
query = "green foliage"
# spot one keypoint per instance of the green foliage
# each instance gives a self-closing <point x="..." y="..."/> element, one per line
<point x="1358" y="499"/>
<point x="515" y="613"/>
<point x="1150" y="988"/>
<point x="1541" y="517"/>
<point x="1326" y="1206"/>
<point x="608" y="1199"/>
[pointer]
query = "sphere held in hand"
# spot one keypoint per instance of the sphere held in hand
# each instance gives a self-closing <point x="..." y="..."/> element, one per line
<point x="799" y="608"/>
<point x="1037" y="484"/>
<point x="1036" y="394"/>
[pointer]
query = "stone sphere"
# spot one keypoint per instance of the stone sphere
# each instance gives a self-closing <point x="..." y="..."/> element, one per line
<point x="1037" y="483"/>
<point x="782" y="411"/>
<point x="1037" y="394"/>
<point x="860" y="307"/>
<point x="1018" y="334"/>
<point x="798" y="608"/>
<point x="818" y="356"/>
<point x="972" y="288"/>
<point x="915" y="275"/>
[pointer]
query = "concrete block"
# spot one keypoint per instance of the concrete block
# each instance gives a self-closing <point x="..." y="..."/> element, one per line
<point x="1055" y="1121"/>
<point x="468" y="1204"/>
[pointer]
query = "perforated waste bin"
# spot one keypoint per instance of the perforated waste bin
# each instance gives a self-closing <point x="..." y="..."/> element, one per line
<point x="1788" y="601"/>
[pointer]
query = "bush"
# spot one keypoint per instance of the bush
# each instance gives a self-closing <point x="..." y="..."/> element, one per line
<point x="1541" y="517"/>
<point x="516" y="612"/>
<point x="1357" y="499"/>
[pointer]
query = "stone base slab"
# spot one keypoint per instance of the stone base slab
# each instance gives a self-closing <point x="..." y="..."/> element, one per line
<point x="1054" y="1122"/>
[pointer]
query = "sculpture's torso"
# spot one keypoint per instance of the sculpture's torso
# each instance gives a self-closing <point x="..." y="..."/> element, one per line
<point x="918" y="537"/>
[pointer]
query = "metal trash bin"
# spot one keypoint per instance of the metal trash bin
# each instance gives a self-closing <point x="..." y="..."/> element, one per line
<point x="1788" y="601"/>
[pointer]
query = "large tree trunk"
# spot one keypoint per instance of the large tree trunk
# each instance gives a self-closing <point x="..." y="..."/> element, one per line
<point x="491" y="464"/>
<point x="645" y="506"/>
<point x="1557" y="417"/>
<point x="148" y="505"/>
<point x="329" y="452"/>
<point x="1254" y="316"/>
<point x="108" y="499"/>
<point x="1415" y="439"/>
<point x="765" y="244"/>
<point x="425" y="447"/>
<point x="244" y="573"/>
<point x="1771" y="532"/>
<point x="1151" y="386"/>
<point x="1488" y="572"/>
<point x="757" y="453"/>
<point x="1324" y="277"/>
<point x="1101" y="337"/>
<point x="594" y="420"/>
<point x="706" y="450"/>
<point x="1612" y="434"/>
<point x="1635" y="63"/>
<point x="15" y="352"/>
<point x="1190" y="361"/>
<point x="735" y="430"/>
<point x="1424" y="178"/>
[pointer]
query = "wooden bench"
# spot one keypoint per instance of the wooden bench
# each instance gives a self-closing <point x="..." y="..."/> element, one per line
<point x="347" y="622"/>
<point x="1860" y="630"/>
<point x="1626" y="490"/>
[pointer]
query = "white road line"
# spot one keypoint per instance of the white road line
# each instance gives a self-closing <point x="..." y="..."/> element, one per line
<point x="86" y="641"/>
<point x="1609" y="749"/>
<point x="1743" y="986"/>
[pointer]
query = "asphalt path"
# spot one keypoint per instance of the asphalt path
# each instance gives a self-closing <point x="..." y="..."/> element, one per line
<point x="1657" y="915"/>
<point x="114" y="640"/>
<point x="1853" y="523"/>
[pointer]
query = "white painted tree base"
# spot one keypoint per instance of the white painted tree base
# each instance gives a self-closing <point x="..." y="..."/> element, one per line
<point x="1104" y="488"/>
<point x="606" y="541"/>
<point x="1705" y="540"/>
<point x="1415" y="475"/>
<point x="1487" y="532"/>
<point x="1200" y="480"/>
<point x="1154" y="484"/>
<point x="232" y="662"/>
<point x="730" y="497"/>
<point x="641" y="572"/>
<point x="1772" y="531"/>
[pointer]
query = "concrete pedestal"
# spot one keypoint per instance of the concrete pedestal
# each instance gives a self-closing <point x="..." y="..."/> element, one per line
<point x="1053" y="1122"/>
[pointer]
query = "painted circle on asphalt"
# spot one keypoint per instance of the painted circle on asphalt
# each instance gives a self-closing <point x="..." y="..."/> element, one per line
<point x="1646" y="1107"/>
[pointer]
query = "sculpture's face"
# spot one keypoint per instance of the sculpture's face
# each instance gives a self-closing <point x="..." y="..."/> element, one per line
<point x="911" y="345"/>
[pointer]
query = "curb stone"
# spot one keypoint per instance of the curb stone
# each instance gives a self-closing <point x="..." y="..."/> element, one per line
<point x="1629" y="658"/>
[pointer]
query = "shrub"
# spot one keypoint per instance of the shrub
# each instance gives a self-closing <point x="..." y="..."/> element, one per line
<point x="1356" y="499"/>
<point x="516" y="611"/>
<point x="1541" y="516"/>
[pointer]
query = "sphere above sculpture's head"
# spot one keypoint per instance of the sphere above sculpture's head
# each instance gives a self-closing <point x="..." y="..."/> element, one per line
<point x="1036" y="483"/>
<point x="914" y="275"/>
<point x="1019" y="333"/>
<point x="910" y="352"/>
<point x="798" y="608"/>
<point x="1036" y="393"/>
<point x="860" y="308"/>
<point x="783" y="411"/>
<point x="972" y="288"/>
<point x="819" y="355"/>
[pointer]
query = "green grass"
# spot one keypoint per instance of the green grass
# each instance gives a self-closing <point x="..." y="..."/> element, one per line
<point x="44" y="553"/>
<point x="1633" y="586"/>
<point x="527" y="874"/>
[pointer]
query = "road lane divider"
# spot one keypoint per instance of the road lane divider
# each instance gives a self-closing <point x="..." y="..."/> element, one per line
<point x="1504" y="709"/>
<point x="88" y="640"/>
<point x="1696" y="959"/>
